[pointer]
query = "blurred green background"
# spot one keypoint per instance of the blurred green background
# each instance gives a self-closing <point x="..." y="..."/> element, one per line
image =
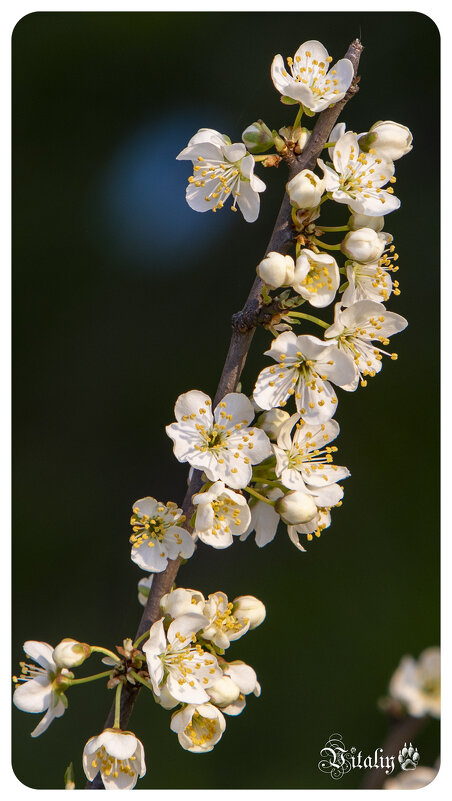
<point x="122" y="301"/>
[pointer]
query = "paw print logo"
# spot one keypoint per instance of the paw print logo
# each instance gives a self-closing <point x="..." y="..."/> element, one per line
<point x="408" y="757"/>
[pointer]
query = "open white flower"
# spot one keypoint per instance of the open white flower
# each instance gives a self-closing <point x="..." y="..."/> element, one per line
<point x="367" y="282"/>
<point x="157" y="534"/>
<point x="118" y="755"/>
<point x="220" y="513"/>
<point x="221" y="444"/>
<point x="220" y="170"/>
<point x="316" y="277"/>
<point x="305" y="462"/>
<point x="43" y="687"/>
<point x="310" y="81"/>
<point x="198" y="728"/>
<point x="354" y="330"/>
<point x="223" y="626"/>
<point x="177" y="662"/>
<point x="417" y="683"/>
<point x="306" y="367"/>
<point x="357" y="178"/>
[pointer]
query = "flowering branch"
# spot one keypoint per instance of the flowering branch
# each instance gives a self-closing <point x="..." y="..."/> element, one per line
<point x="244" y="324"/>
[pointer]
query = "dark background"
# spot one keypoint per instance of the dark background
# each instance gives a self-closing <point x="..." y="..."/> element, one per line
<point x="122" y="301"/>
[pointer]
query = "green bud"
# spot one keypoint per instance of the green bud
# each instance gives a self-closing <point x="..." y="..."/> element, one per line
<point x="257" y="137"/>
<point x="366" y="142"/>
<point x="69" y="778"/>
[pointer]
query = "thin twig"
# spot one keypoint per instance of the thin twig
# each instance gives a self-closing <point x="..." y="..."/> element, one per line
<point x="244" y="325"/>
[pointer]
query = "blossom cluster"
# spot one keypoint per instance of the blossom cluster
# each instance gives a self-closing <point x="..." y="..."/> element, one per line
<point x="258" y="464"/>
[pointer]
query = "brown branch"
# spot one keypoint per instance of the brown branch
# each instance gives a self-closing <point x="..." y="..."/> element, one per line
<point x="244" y="325"/>
<point x="402" y="731"/>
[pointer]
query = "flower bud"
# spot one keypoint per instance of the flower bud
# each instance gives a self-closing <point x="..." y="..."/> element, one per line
<point x="257" y="137"/>
<point x="276" y="270"/>
<point x="271" y="422"/>
<point x="224" y="692"/>
<point x="144" y="588"/>
<point x="249" y="608"/>
<point x="181" y="602"/>
<point x="306" y="189"/>
<point x="71" y="653"/>
<point x="364" y="245"/>
<point x="296" y="507"/>
<point x="303" y="138"/>
<point x="363" y="221"/>
<point x="390" y="140"/>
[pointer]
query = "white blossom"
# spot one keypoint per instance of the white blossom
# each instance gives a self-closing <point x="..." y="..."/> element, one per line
<point x="316" y="277"/>
<point x="198" y="728"/>
<point x="220" y="170"/>
<point x="250" y="610"/>
<point x="181" y="602"/>
<point x="264" y="518"/>
<point x="144" y="588"/>
<point x="221" y="444"/>
<point x="220" y="513"/>
<point x="245" y="681"/>
<point x="357" y="221"/>
<point x="296" y="507"/>
<point x="305" y="189"/>
<point x="417" y="683"/>
<point x="177" y="661"/>
<point x="388" y="139"/>
<point x="223" y="627"/>
<point x="304" y="461"/>
<point x="365" y="244"/>
<point x="70" y="653"/>
<point x="354" y="330"/>
<point x="157" y="534"/>
<point x="276" y="270"/>
<point x="118" y="755"/>
<point x="357" y="178"/>
<point x="43" y="685"/>
<point x="310" y="81"/>
<point x="271" y="422"/>
<point x="367" y="282"/>
<point x="306" y="367"/>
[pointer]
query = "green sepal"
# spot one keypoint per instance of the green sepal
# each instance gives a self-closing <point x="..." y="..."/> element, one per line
<point x="288" y="101"/>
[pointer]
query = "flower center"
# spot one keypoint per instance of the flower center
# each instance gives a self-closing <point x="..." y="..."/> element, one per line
<point x="226" y="621"/>
<point x="227" y="176"/>
<point x="200" y="730"/>
<point x="109" y="765"/>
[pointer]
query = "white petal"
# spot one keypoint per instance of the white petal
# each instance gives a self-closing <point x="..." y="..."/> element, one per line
<point x="248" y="202"/>
<point x="41" y="653"/>
<point x="34" y="695"/>
<point x="238" y="406"/>
<point x="52" y="713"/>
<point x="150" y="556"/>
<point x="121" y="746"/>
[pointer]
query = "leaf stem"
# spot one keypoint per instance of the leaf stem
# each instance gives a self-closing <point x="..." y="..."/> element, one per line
<point x="310" y="317"/>
<point x="95" y="676"/>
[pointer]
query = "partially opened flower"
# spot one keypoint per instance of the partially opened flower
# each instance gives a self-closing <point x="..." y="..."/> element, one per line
<point x="316" y="277"/>
<point x="357" y="178"/>
<point x="241" y="680"/>
<point x="198" y="728"/>
<point x="354" y="330"/>
<point x="306" y="367"/>
<point x="43" y="687"/>
<point x="177" y="661"/>
<point x="304" y="461"/>
<point x="387" y="139"/>
<point x="367" y="282"/>
<point x="221" y="444"/>
<point x="223" y="626"/>
<point x="157" y="534"/>
<point x="221" y="170"/>
<point x="417" y="683"/>
<point x="118" y="756"/>
<point x="309" y="80"/>
<point x="220" y="514"/>
<point x="181" y="602"/>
